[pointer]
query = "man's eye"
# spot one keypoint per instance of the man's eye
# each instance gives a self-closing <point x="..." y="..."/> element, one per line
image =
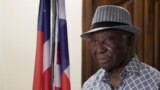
<point x="109" y="39"/>
<point x="93" y="43"/>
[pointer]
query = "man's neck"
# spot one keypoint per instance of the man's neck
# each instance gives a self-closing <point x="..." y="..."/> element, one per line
<point x="115" y="74"/>
<point x="115" y="77"/>
<point x="115" y="71"/>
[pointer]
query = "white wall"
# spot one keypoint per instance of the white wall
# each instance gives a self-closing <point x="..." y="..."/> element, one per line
<point x="18" y="27"/>
<point x="1" y="52"/>
<point x="74" y="14"/>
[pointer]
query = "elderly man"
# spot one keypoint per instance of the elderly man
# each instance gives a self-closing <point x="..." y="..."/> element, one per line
<point x="112" y="38"/>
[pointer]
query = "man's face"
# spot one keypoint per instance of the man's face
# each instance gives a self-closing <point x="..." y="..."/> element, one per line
<point x="109" y="48"/>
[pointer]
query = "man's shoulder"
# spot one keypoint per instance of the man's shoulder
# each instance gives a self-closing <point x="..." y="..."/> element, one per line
<point x="141" y="68"/>
<point x="147" y="70"/>
<point x="95" y="77"/>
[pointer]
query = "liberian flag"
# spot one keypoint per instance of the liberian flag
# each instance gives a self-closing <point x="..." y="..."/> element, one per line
<point x="61" y="57"/>
<point x="46" y="77"/>
<point x="42" y="71"/>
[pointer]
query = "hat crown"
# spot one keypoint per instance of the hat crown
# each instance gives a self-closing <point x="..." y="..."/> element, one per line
<point x="110" y="17"/>
<point x="110" y="13"/>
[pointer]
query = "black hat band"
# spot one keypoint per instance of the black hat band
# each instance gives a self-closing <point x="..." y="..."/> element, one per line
<point x="106" y="24"/>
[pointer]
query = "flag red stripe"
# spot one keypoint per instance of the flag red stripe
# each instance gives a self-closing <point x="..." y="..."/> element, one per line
<point x="37" y="81"/>
<point x="65" y="82"/>
<point x="47" y="79"/>
<point x="56" y="88"/>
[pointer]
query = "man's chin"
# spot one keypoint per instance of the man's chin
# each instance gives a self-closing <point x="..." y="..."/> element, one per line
<point x="107" y="68"/>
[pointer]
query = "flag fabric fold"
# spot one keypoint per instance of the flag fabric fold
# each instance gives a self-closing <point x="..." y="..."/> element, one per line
<point x="51" y="73"/>
<point x="61" y="55"/>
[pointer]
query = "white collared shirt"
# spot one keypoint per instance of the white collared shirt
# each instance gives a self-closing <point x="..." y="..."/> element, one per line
<point x="135" y="76"/>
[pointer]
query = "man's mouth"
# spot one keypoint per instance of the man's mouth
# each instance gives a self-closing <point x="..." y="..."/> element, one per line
<point x="104" y="60"/>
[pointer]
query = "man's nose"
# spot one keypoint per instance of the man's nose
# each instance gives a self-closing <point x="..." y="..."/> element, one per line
<point x="101" y="48"/>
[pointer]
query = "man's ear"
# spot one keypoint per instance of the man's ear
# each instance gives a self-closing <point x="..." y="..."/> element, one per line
<point x="130" y="41"/>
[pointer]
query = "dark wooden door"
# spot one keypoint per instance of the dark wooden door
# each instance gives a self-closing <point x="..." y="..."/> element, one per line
<point x="145" y="14"/>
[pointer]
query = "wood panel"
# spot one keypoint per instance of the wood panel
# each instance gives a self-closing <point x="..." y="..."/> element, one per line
<point x="148" y="33"/>
<point x="157" y="34"/>
<point x="86" y="55"/>
<point x="139" y="21"/>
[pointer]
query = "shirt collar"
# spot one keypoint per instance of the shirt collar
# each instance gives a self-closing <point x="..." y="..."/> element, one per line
<point x="133" y="66"/>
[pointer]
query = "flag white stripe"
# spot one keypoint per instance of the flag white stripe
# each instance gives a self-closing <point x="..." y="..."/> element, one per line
<point x="67" y="70"/>
<point x="46" y="55"/>
<point x="61" y="9"/>
<point x="57" y="81"/>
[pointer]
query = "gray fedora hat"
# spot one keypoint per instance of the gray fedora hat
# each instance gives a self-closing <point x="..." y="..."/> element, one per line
<point x="111" y="17"/>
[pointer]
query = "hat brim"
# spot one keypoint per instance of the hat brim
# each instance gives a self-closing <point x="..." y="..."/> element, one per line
<point x="128" y="28"/>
